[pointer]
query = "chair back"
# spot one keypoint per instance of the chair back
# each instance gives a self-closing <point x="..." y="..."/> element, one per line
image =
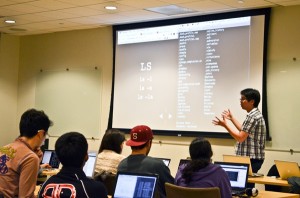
<point x="174" y="191"/>
<point x="109" y="181"/>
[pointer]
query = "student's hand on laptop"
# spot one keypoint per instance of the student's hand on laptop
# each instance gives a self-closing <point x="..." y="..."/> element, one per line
<point x="45" y="166"/>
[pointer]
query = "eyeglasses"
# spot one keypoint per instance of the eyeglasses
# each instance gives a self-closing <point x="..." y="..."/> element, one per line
<point x="46" y="135"/>
<point x="242" y="99"/>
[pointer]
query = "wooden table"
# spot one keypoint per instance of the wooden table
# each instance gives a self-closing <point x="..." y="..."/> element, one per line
<point x="50" y="172"/>
<point x="271" y="194"/>
<point x="268" y="180"/>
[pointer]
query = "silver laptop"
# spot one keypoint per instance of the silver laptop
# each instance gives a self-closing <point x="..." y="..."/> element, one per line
<point x="89" y="167"/>
<point x="238" y="176"/>
<point x="242" y="159"/>
<point x="287" y="169"/>
<point x="135" y="185"/>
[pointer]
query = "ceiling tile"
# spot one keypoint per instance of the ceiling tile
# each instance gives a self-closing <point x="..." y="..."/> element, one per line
<point x="25" y="8"/>
<point x="82" y="11"/>
<point x="51" y="4"/>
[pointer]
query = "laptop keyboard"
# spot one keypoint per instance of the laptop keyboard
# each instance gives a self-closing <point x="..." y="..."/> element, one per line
<point x="237" y="192"/>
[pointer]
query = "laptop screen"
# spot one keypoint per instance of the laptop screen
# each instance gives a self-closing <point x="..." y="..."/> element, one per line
<point x="237" y="173"/>
<point x="135" y="185"/>
<point x="166" y="161"/>
<point x="50" y="157"/>
<point x="238" y="159"/>
<point x="183" y="161"/>
<point x="89" y="167"/>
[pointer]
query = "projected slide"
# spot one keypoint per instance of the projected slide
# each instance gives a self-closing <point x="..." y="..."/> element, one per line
<point x="179" y="77"/>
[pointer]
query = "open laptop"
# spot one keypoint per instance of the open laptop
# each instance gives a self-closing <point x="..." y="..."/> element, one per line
<point x="238" y="176"/>
<point x="166" y="161"/>
<point x="135" y="185"/>
<point x="50" y="157"/>
<point x="242" y="159"/>
<point x="89" y="167"/>
<point x="287" y="169"/>
<point x="183" y="161"/>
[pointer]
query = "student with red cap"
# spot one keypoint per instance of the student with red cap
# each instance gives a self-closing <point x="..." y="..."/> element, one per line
<point x="139" y="162"/>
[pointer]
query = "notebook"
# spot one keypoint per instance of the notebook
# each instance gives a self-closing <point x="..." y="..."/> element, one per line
<point x="135" y="185"/>
<point x="287" y="169"/>
<point x="238" y="176"/>
<point x="242" y="159"/>
<point x="89" y="167"/>
<point x="50" y="157"/>
<point x="166" y="161"/>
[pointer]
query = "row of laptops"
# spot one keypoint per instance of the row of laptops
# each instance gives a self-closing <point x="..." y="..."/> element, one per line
<point x="51" y="158"/>
<point x="238" y="169"/>
<point x="285" y="168"/>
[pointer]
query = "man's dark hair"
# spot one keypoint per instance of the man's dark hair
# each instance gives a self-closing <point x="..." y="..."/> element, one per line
<point x="140" y="147"/>
<point x="251" y="94"/>
<point x="112" y="140"/>
<point x="32" y="121"/>
<point x="201" y="153"/>
<point x="71" y="149"/>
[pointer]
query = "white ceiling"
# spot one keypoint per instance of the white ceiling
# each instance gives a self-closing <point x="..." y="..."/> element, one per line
<point x="45" y="16"/>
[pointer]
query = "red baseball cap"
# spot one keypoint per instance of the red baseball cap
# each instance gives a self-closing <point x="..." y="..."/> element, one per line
<point x="139" y="135"/>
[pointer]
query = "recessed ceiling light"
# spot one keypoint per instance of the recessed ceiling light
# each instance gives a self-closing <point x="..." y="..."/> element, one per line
<point x="110" y="7"/>
<point x="10" y="21"/>
<point x="240" y="1"/>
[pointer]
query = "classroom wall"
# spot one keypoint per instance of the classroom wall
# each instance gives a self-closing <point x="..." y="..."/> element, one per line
<point x="75" y="50"/>
<point x="9" y="62"/>
<point x="89" y="48"/>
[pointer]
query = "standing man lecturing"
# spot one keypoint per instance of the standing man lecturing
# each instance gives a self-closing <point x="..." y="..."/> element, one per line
<point x="251" y="135"/>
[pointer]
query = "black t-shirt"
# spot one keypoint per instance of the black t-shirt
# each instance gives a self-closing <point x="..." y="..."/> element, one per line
<point x="72" y="182"/>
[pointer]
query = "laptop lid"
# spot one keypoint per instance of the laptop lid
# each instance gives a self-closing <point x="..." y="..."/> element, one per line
<point x="287" y="169"/>
<point x="237" y="173"/>
<point x="166" y="161"/>
<point x="135" y="185"/>
<point x="50" y="157"/>
<point x="89" y="167"/>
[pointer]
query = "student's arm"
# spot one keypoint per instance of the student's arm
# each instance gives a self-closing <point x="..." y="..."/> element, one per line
<point x="29" y="168"/>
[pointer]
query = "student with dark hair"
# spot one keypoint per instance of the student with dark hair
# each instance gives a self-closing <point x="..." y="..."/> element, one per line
<point x="139" y="162"/>
<point x="110" y="151"/>
<point x="251" y="135"/>
<point x="72" y="151"/>
<point x="20" y="160"/>
<point x="200" y="172"/>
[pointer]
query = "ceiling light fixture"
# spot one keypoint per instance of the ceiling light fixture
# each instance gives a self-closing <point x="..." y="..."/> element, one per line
<point x="110" y="7"/>
<point x="240" y="1"/>
<point x="10" y="21"/>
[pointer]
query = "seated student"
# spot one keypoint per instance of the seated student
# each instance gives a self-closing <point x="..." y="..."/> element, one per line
<point x="273" y="172"/>
<point x="110" y="151"/>
<point x="200" y="172"/>
<point x="72" y="151"/>
<point x="141" y="141"/>
<point x="20" y="159"/>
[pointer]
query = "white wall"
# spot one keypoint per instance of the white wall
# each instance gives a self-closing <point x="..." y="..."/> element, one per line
<point x="89" y="48"/>
<point x="9" y="62"/>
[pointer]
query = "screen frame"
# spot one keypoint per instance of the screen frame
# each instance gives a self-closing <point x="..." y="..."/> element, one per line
<point x="200" y="18"/>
